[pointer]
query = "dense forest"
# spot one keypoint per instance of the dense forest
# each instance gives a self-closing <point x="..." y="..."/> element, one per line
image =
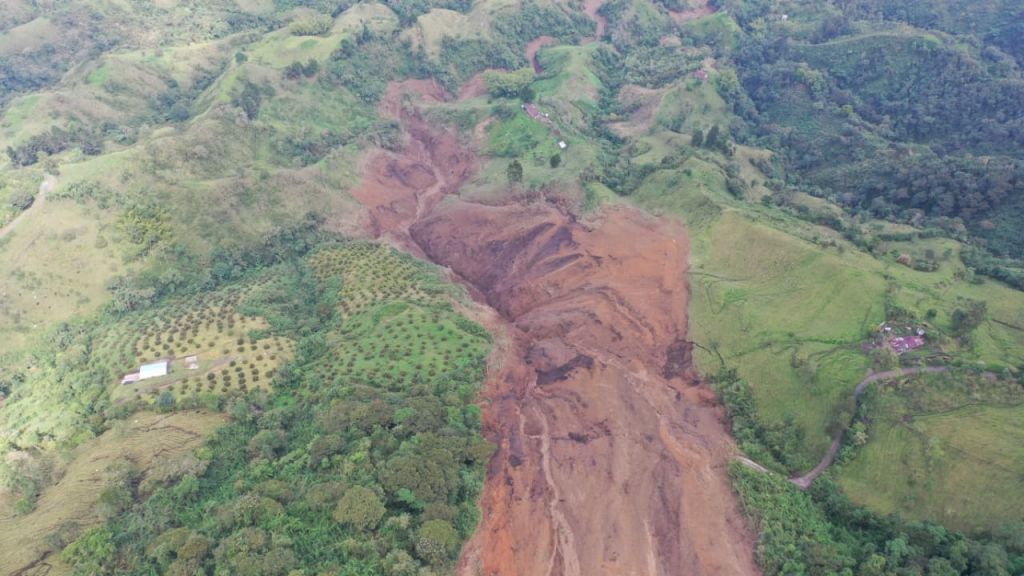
<point x="900" y="122"/>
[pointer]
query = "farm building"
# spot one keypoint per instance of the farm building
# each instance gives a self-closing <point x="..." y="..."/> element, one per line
<point x="154" y="369"/>
<point x="532" y="111"/>
<point x="130" y="378"/>
<point x="901" y="344"/>
<point x="701" y="75"/>
<point x="192" y="362"/>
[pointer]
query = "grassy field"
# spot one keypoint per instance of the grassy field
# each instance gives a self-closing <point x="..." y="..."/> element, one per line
<point x="789" y="303"/>
<point x="150" y="441"/>
<point x="52" y="267"/>
<point x="944" y="448"/>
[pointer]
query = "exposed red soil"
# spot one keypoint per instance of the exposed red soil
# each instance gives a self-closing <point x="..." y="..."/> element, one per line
<point x="590" y="7"/>
<point x="611" y="456"/>
<point x="474" y="87"/>
<point x="643" y="103"/>
<point x="533" y="47"/>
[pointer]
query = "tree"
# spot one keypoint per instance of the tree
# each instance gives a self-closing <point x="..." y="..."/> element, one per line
<point x="267" y="443"/>
<point x="90" y="553"/>
<point x="966" y="321"/>
<point x="713" y="139"/>
<point x="165" y="402"/>
<point x="527" y="94"/>
<point x="436" y="542"/>
<point x="514" y="172"/>
<point x="359" y="508"/>
<point x="508" y="84"/>
<point x="698" y="138"/>
<point x="294" y="70"/>
<point x="556" y="160"/>
<point x="21" y="201"/>
<point x="311" y="68"/>
<point x="941" y="567"/>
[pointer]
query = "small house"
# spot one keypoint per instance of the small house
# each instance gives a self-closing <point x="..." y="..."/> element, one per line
<point x="130" y="378"/>
<point x="154" y="369"/>
<point x="532" y="111"/>
<point x="902" y="344"/>
<point x="701" y="75"/>
<point x="192" y="362"/>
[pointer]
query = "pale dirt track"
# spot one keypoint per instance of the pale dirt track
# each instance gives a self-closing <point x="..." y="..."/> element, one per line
<point x="611" y="455"/>
<point x="804" y="482"/>
<point x="48" y="184"/>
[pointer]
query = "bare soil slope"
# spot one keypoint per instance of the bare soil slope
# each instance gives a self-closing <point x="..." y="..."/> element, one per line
<point x="611" y="455"/>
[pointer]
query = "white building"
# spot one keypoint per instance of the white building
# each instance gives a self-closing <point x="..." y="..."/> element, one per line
<point x="154" y="369"/>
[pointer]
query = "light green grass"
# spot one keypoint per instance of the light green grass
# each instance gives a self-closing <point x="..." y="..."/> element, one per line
<point x="280" y="48"/>
<point x="975" y="485"/>
<point x="375" y="16"/>
<point x="692" y="104"/>
<point x="54" y="266"/>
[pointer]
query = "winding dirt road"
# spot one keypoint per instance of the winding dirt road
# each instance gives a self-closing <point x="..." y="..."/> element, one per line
<point x="804" y="482"/>
<point x="48" y="184"/>
<point x="611" y="455"/>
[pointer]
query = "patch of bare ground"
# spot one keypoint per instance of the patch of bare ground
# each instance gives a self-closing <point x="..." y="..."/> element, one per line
<point x="591" y="8"/>
<point x="611" y="455"/>
<point x="533" y="47"/>
<point x="643" y="105"/>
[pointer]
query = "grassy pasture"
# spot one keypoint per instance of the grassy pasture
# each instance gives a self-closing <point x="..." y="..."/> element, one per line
<point x="69" y="506"/>
<point x="375" y="16"/>
<point x="944" y="448"/>
<point x="29" y="36"/>
<point x="53" y="266"/>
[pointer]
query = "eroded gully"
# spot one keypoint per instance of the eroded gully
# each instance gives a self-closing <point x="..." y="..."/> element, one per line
<point x="611" y="456"/>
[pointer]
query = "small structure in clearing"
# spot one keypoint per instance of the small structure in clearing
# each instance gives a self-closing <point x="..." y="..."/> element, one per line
<point x="154" y="369"/>
<point x="192" y="362"/>
<point x="130" y="378"/>
<point x="701" y="75"/>
<point x="901" y="338"/>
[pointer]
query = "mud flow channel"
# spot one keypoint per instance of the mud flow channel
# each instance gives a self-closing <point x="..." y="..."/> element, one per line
<point x="611" y="456"/>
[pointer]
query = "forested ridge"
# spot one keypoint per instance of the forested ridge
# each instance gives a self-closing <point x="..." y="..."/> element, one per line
<point x="904" y="111"/>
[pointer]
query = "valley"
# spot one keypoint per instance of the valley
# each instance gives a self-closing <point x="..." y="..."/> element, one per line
<point x="503" y="287"/>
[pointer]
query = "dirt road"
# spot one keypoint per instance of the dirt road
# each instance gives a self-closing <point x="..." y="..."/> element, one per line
<point x="804" y="482"/>
<point x="48" y="184"/>
<point x="611" y="456"/>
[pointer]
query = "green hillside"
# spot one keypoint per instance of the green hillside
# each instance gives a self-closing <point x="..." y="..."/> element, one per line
<point x="176" y="182"/>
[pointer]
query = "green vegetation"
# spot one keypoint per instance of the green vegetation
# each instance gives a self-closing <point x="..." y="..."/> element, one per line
<point x="838" y="165"/>
<point x="357" y="446"/>
<point x="941" y="445"/>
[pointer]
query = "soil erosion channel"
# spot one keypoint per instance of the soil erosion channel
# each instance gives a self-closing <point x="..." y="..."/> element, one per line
<point x="611" y="457"/>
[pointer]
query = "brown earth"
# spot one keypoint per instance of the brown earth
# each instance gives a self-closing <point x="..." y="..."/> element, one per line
<point x="611" y="456"/>
<point x="590" y="8"/>
<point x="643" y="103"/>
<point x="533" y="47"/>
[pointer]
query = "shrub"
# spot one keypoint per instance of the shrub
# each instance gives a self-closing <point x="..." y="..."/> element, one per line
<point x="359" y="508"/>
